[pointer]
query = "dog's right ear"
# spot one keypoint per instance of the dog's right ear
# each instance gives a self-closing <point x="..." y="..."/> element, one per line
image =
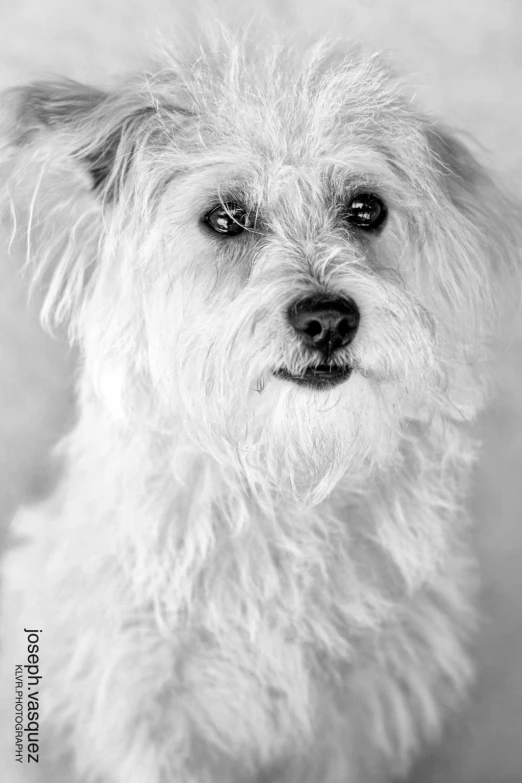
<point x="67" y="152"/>
<point x="54" y="104"/>
<point x="98" y="129"/>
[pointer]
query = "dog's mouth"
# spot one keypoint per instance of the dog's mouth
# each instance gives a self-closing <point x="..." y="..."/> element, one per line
<point x="324" y="376"/>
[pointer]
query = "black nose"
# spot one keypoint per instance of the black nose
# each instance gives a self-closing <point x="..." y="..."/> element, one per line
<point x="325" y="324"/>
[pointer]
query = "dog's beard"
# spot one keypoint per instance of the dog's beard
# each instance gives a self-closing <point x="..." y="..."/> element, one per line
<point x="302" y="441"/>
<point x="283" y="436"/>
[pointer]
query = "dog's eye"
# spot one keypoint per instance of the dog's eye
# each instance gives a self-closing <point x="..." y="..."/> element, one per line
<point x="229" y="219"/>
<point x="366" y="211"/>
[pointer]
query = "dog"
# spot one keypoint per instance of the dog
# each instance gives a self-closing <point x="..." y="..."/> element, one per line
<point x="283" y="279"/>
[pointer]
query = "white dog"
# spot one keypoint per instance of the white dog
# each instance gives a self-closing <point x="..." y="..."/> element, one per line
<point x="282" y="279"/>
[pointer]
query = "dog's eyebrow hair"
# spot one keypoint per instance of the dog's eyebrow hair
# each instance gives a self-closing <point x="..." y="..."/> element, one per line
<point x="231" y="191"/>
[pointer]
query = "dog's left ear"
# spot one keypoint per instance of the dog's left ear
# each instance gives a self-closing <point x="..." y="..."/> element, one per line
<point x="479" y="237"/>
<point x="470" y="188"/>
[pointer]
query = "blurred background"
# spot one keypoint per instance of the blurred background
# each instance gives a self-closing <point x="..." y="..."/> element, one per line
<point x="463" y="60"/>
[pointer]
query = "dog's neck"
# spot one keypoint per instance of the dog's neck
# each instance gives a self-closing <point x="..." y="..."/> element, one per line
<point x="330" y="570"/>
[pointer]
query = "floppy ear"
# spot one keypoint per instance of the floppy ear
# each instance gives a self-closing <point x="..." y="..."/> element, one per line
<point x="67" y="154"/>
<point x="476" y="194"/>
<point x="480" y="229"/>
<point x="463" y="179"/>
<point x="96" y="128"/>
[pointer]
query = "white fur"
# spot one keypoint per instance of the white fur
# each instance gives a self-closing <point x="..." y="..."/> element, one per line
<point x="240" y="579"/>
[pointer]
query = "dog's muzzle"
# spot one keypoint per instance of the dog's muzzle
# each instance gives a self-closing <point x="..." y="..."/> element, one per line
<point x="324" y="325"/>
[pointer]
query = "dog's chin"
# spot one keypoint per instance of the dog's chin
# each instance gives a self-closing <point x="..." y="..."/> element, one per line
<point x="322" y="377"/>
<point x="304" y="432"/>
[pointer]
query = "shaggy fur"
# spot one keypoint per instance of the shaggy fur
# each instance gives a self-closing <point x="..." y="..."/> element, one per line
<point x="240" y="579"/>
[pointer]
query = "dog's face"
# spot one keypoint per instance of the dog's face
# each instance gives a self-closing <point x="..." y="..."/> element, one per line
<point x="281" y="254"/>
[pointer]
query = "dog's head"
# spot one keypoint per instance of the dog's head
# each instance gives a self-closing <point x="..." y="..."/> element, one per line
<point x="268" y="247"/>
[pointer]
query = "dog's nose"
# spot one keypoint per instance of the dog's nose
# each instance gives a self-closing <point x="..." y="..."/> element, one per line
<point x="325" y="324"/>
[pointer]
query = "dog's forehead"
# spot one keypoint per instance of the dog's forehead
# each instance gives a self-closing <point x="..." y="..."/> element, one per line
<point x="302" y="100"/>
<point x="305" y="130"/>
<point x="293" y="129"/>
<point x="283" y="127"/>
